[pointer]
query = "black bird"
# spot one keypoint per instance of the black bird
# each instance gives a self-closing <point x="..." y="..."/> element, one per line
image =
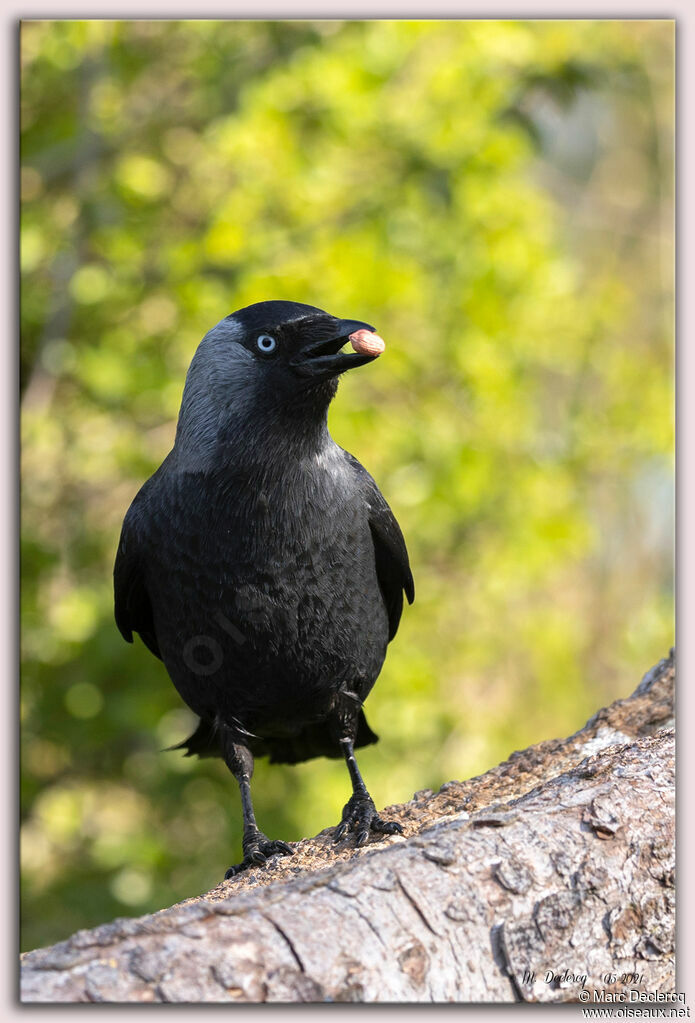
<point x="261" y="563"/>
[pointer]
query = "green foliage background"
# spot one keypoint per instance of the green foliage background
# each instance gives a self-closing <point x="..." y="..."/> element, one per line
<point x="497" y="198"/>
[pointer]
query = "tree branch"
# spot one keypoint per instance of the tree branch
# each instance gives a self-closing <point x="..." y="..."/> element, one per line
<point x="548" y="876"/>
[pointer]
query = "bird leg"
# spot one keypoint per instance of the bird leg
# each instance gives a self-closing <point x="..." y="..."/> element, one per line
<point x="256" y="846"/>
<point x="359" y="813"/>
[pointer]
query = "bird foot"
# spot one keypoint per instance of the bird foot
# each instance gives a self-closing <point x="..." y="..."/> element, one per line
<point x="359" y="814"/>
<point x="256" y="851"/>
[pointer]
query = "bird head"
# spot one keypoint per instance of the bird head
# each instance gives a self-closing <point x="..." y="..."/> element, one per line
<point x="292" y="344"/>
<point x="271" y="362"/>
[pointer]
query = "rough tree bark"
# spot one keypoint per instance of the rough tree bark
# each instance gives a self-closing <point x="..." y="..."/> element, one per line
<point x="549" y="877"/>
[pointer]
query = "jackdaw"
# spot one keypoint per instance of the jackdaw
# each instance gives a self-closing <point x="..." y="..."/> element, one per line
<point x="261" y="563"/>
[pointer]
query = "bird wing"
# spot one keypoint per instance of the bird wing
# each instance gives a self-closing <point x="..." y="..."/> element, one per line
<point x="133" y="610"/>
<point x="390" y="552"/>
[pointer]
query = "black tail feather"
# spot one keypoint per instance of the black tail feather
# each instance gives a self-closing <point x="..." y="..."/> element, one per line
<point x="203" y="743"/>
<point x="315" y="740"/>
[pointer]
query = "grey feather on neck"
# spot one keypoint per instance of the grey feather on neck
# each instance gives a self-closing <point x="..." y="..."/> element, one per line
<point x="218" y="395"/>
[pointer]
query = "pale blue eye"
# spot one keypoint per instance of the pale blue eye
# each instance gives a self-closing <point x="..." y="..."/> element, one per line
<point x="266" y="344"/>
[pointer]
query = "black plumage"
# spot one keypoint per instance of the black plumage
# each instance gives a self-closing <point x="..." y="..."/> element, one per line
<point x="261" y="563"/>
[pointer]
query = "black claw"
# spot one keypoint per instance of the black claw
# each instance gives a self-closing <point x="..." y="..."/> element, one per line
<point x="387" y="827"/>
<point x="239" y="868"/>
<point x="258" y="853"/>
<point x="359" y="815"/>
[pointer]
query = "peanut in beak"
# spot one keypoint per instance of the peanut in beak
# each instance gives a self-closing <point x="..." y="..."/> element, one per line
<point x="366" y="342"/>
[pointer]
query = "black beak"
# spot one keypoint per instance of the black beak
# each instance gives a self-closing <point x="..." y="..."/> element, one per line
<point x="324" y="358"/>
